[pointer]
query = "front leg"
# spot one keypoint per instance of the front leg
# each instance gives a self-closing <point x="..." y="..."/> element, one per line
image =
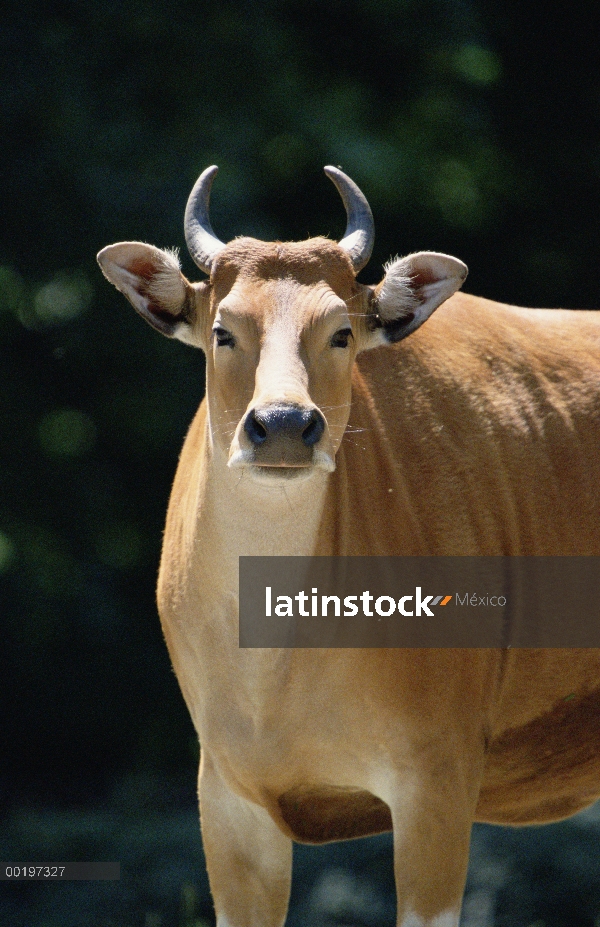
<point x="432" y="831"/>
<point x="249" y="860"/>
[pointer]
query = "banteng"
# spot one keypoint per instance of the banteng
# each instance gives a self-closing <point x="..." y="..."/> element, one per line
<point x="337" y="423"/>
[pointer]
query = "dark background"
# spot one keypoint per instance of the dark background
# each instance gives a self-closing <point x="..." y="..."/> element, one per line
<point x="471" y="126"/>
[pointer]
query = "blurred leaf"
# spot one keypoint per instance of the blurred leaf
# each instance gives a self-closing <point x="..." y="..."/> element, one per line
<point x="67" y="433"/>
<point x="476" y="64"/>
<point x="7" y="553"/>
<point x="63" y="299"/>
<point x="120" y="545"/>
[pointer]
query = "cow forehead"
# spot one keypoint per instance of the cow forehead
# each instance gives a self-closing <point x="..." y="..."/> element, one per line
<point x="317" y="260"/>
<point x="280" y="305"/>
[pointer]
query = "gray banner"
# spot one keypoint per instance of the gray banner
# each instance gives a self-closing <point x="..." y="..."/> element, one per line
<point x="419" y="601"/>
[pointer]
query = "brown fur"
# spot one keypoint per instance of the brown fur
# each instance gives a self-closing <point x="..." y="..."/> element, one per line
<point x="323" y="814"/>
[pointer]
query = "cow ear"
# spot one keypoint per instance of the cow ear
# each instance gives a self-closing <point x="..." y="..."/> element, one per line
<point x="413" y="288"/>
<point x="153" y="283"/>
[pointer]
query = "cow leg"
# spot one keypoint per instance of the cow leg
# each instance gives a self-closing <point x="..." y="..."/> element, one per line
<point x="432" y="831"/>
<point x="249" y="860"/>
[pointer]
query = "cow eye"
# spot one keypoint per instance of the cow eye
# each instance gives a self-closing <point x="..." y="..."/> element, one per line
<point x="340" y="339"/>
<point x="223" y="337"/>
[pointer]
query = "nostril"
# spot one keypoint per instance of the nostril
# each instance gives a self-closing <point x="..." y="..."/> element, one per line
<point x="287" y="424"/>
<point x="314" y="430"/>
<point x="254" y="429"/>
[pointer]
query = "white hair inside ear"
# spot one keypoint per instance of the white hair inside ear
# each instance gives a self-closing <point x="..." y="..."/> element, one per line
<point x="166" y="287"/>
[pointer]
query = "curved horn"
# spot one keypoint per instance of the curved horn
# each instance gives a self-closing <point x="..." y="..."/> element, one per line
<point x="202" y="242"/>
<point x="359" y="236"/>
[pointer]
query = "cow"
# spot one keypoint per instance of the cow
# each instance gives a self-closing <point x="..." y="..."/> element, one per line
<point x="336" y="422"/>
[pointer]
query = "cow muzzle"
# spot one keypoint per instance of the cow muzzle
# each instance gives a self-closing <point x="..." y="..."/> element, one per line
<point x="282" y="441"/>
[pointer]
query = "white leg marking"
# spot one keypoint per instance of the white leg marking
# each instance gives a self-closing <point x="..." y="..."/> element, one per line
<point x="445" y="919"/>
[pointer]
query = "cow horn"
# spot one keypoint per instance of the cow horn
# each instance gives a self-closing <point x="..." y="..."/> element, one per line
<point x="202" y="242"/>
<point x="359" y="236"/>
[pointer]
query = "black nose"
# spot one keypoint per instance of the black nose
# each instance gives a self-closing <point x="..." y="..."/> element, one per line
<point x="288" y="422"/>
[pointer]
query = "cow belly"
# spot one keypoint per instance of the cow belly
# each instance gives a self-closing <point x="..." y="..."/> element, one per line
<point x="323" y="814"/>
<point x="547" y="769"/>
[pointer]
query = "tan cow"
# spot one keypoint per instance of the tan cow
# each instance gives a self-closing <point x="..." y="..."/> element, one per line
<point x="325" y="431"/>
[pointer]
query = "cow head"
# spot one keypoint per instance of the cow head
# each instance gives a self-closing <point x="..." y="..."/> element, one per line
<point x="281" y="324"/>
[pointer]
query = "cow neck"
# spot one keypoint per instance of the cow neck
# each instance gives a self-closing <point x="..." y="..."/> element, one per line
<point x="246" y="518"/>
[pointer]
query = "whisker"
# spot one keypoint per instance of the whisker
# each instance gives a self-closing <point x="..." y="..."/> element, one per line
<point x="350" y="429"/>
<point x="361" y="447"/>
<point x="343" y="405"/>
